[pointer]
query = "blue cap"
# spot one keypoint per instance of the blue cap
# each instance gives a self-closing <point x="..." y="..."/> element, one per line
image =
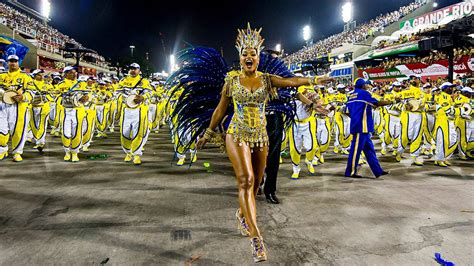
<point x="360" y="83"/>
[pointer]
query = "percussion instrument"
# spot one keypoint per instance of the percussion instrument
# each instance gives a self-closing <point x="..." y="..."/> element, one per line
<point x="100" y="98"/>
<point x="130" y="101"/>
<point x="72" y="99"/>
<point x="39" y="98"/>
<point x="154" y="99"/>
<point x="466" y="110"/>
<point x="413" y="105"/>
<point x="7" y="96"/>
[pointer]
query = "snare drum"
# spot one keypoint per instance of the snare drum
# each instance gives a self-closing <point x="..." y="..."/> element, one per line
<point x="7" y="96"/>
<point x="71" y="100"/>
<point x="130" y="101"/>
<point x="414" y="105"/>
<point x="39" y="99"/>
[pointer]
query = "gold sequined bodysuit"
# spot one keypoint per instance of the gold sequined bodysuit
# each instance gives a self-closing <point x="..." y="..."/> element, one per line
<point x="248" y="124"/>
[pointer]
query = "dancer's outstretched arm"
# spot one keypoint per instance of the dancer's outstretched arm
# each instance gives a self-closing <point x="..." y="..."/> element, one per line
<point x="217" y="116"/>
<point x="298" y="81"/>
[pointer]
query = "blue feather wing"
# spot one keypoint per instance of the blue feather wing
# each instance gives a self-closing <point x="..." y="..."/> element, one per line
<point x="201" y="78"/>
<point x="285" y="104"/>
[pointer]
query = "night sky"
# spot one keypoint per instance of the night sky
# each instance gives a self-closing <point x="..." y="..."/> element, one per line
<point x="111" y="26"/>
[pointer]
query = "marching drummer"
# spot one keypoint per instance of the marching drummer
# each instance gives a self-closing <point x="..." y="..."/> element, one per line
<point x="102" y="108"/>
<point x="72" y="101"/>
<point x="412" y="120"/>
<point x="134" y="114"/>
<point x="13" y="109"/>
<point x="39" y="109"/>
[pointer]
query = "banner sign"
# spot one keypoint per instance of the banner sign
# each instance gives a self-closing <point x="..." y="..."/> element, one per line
<point x="396" y="49"/>
<point x="438" y="69"/>
<point x="457" y="11"/>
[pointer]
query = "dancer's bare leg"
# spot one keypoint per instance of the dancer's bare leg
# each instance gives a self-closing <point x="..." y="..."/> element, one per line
<point x="259" y="162"/>
<point x="241" y="159"/>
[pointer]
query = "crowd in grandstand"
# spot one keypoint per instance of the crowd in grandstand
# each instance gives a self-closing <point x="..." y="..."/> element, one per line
<point x="404" y="38"/>
<point x="47" y="38"/>
<point x="433" y="57"/>
<point x="360" y="34"/>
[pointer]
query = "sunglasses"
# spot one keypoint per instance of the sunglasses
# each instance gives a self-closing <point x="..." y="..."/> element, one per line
<point x="12" y="61"/>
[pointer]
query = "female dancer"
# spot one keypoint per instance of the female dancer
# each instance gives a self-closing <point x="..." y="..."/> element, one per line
<point x="246" y="139"/>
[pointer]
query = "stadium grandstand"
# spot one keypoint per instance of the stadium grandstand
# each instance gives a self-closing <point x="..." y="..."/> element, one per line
<point x="45" y="43"/>
<point x="388" y="47"/>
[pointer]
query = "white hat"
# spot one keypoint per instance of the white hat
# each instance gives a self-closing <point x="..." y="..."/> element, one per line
<point x="467" y="89"/>
<point x="331" y="90"/>
<point x="340" y="86"/>
<point x="134" y="65"/>
<point x="67" y="69"/>
<point x="2" y="68"/>
<point x="101" y="82"/>
<point x="13" y="57"/>
<point x="106" y="80"/>
<point x="83" y="78"/>
<point x="435" y="89"/>
<point x="37" y="71"/>
<point x="396" y="84"/>
<point x="446" y="85"/>
<point x="427" y="85"/>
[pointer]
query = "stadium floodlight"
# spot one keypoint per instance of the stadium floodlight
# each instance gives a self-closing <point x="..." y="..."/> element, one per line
<point x="172" y="63"/>
<point x="278" y="47"/>
<point x="307" y="33"/>
<point x="45" y="8"/>
<point x="131" y="49"/>
<point x="347" y="12"/>
<point x="435" y="5"/>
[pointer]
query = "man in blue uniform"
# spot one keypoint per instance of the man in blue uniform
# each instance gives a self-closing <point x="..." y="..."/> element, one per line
<point x="360" y="103"/>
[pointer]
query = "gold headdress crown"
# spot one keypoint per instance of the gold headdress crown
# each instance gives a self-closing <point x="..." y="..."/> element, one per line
<point x="249" y="38"/>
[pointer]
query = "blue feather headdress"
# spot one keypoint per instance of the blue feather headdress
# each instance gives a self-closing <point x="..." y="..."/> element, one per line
<point x="200" y="80"/>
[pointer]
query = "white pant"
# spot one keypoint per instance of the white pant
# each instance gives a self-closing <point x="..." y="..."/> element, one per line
<point x="377" y="117"/>
<point x="415" y="122"/>
<point x="8" y="121"/>
<point x="151" y="112"/>
<point x="302" y="136"/>
<point x="37" y="119"/>
<point x="470" y="131"/>
<point x="322" y="132"/>
<point x="52" y="112"/>
<point x="70" y="129"/>
<point x="99" y="109"/>
<point x="131" y="127"/>
<point x="430" y="121"/>
<point x="440" y="144"/>
<point x="394" y="130"/>
<point x="347" y="127"/>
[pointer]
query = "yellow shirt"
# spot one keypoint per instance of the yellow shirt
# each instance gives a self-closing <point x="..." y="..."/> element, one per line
<point x="339" y="98"/>
<point x="68" y="84"/>
<point x="18" y="81"/>
<point x="131" y="82"/>
<point x="18" y="78"/>
<point x="444" y="102"/>
<point x="412" y="93"/>
<point x="461" y="99"/>
<point x="40" y="86"/>
<point x="393" y="109"/>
